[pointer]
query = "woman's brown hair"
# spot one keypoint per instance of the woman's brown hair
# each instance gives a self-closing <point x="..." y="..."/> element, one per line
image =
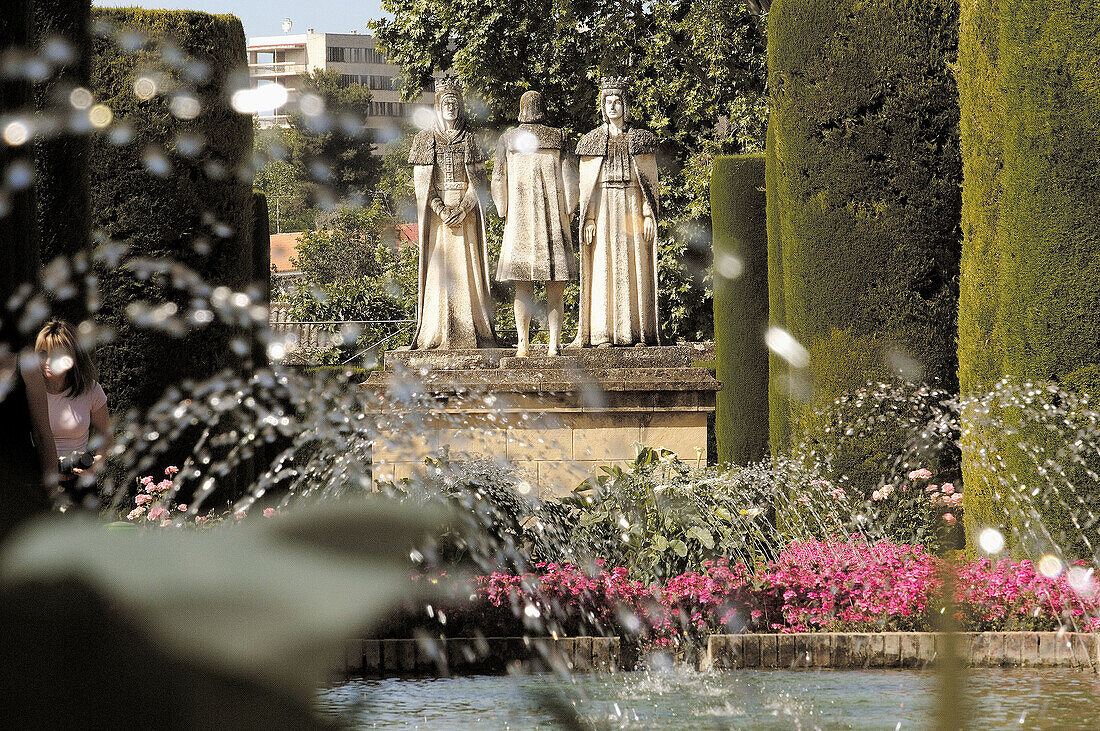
<point x="59" y="335"/>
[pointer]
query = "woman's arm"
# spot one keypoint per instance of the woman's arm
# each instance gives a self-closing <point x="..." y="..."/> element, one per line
<point x="40" y="418"/>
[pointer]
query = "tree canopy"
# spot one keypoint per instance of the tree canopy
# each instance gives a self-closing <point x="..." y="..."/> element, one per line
<point x="323" y="160"/>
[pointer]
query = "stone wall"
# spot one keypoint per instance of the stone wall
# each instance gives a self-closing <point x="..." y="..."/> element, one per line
<point x="557" y="419"/>
<point x="915" y="650"/>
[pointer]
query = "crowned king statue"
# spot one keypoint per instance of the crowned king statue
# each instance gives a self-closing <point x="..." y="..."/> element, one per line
<point x="618" y="203"/>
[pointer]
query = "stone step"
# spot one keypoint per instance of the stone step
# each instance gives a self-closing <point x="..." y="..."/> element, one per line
<point x="683" y="355"/>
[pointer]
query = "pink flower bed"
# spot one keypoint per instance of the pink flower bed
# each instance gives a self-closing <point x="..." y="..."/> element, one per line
<point x="827" y="586"/>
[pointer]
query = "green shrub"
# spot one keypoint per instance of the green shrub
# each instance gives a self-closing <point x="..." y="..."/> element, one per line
<point x="1030" y="289"/>
<point x="740" y="306"/>
<point x="198" y="211"/>
<point x="863" y="203"/>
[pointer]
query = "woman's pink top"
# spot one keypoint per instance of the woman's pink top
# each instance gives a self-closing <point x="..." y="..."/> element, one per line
<point x="71" y="416"/>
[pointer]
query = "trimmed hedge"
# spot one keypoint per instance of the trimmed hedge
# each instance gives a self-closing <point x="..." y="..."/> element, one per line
<point x="198" y="212"/>
<point x="64" y="213"/>
<point x="863" y="202"/>
<point x="18" y="233"/>
<point x="779" y="431"/>
<point x="1030" y="295"/>
<point x="740" y="240"/>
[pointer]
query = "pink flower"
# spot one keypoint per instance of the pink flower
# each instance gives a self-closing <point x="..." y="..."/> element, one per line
<point x="142" y="499"/>
<point x="182" y="508"/>
<point x="921" y="474"/>
<point x="200" y="519"/>
<point x="239" y="515"/>
<point x="157" y="513"/>
<point x="171" y="471"/>
<point x="135" y="513"/>
<point x="268" y="512"/>
<point x="147" y="480"/>
<point x="949" y="518"/>
<point x="163" y="485"/>
<point x="948" y="488"/>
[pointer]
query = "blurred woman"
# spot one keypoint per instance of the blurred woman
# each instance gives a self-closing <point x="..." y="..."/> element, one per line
<point x="76" y="401"/>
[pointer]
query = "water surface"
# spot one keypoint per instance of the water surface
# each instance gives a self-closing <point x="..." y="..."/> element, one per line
<point x="679" y="699"/>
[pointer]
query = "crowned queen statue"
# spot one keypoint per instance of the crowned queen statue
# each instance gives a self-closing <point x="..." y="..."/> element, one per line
<point x="454" y="305"/>
<point x="618" y="222"/>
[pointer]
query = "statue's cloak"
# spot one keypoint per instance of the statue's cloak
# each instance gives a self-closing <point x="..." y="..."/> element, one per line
<point x="422" y="158"/>
<point x="592" y="150"/>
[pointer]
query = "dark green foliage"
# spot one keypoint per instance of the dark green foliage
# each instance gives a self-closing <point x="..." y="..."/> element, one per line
<point x="351" y="273"/>
<point x="863" y="200"/>
<point x="64" y="214"/>
<point x="21" y="495"/>
<point x="1030" y="289"/>
<point x="198" y="212"/>
<point x="740" y="241"/>
<point x="336" y="147"/>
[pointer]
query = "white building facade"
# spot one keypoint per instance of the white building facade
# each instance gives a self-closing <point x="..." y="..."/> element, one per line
<point x="286" y="59"/>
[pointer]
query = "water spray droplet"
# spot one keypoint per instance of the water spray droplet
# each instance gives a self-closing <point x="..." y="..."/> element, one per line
<point x="101" y="116"/>
<point x="19" y="175"/>
<point x="251" y="101"/>
<point x="728" y="266"/>
<point x="185" y="106"/>
<point x="17" y="133"/>
<point x="145" y="88"/>
<point x="1050" y="566"/>
<point x="991" y="540"/>
<point x="423" y="118"/>
<point x="80" y="98"/>
<point x="783" y="344"/>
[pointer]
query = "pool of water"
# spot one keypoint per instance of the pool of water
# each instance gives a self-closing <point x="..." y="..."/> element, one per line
<point x="679" y="699"/>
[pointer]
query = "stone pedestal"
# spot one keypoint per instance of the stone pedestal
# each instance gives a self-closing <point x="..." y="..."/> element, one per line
<point x="557" y="419"/>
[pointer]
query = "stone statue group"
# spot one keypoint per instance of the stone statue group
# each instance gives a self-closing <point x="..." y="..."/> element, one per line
<point x="537" y="185"/>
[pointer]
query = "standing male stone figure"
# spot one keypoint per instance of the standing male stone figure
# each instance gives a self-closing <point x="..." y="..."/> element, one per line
<point x="618" y="200"/>
<point x="535" y="190"/>
<point x="454" y="305"/>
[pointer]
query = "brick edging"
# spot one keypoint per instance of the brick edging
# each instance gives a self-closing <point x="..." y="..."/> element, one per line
<point x="437" y="657"/>
<point x="901" y="650"/>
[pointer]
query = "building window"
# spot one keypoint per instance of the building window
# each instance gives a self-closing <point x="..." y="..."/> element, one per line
<point x="337" y="54"/>
<point x="387" y="109"/>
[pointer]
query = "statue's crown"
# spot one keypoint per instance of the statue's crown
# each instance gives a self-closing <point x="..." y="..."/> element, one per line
<point x="614" y="83"/>
<point x="448" y="85"/>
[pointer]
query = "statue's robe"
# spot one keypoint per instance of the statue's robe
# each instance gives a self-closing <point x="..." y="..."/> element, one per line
<point x="453" y="306"/>
<point x="535" y="188"/>
<point x="618" y="189"/>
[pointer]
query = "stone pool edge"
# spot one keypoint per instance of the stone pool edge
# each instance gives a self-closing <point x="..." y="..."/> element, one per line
<point x="913" y="650"/>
